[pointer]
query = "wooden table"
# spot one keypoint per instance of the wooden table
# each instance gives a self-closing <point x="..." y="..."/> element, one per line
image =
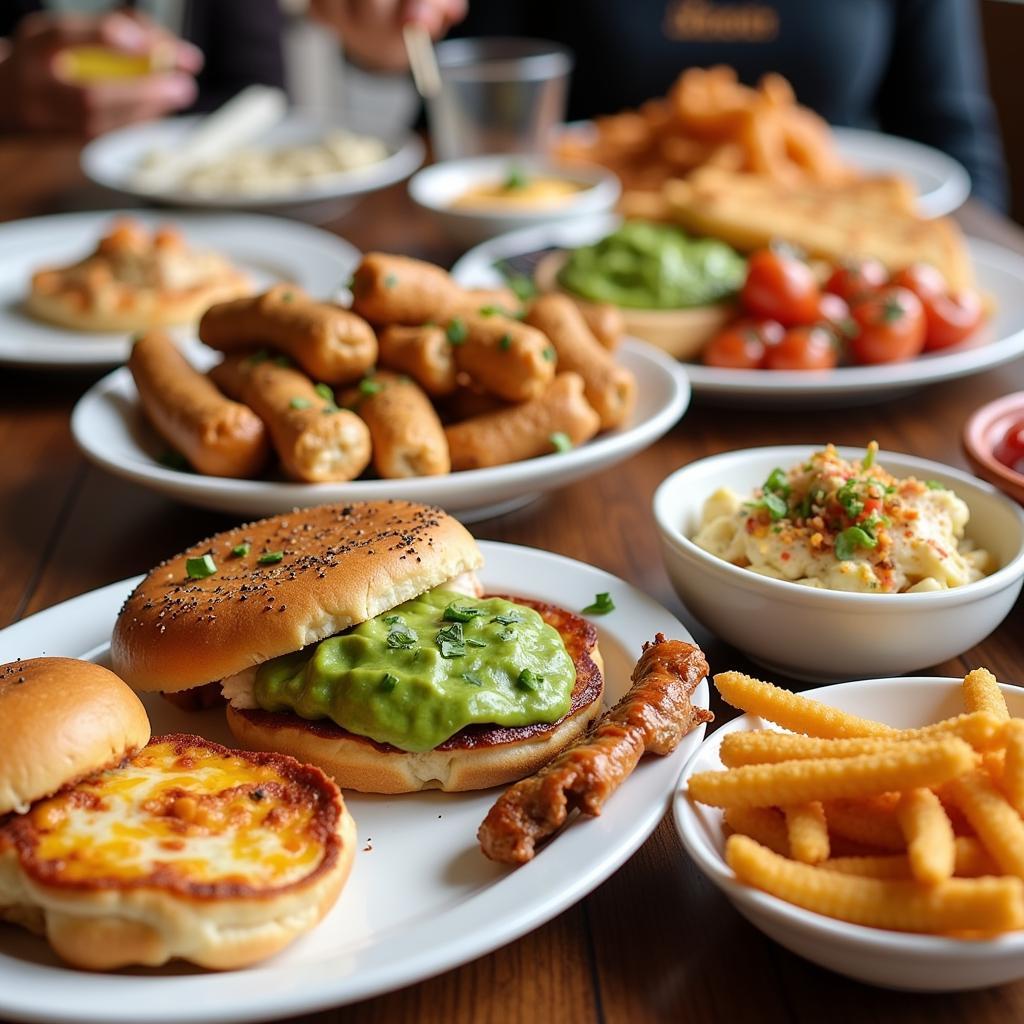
<point x="656" y="942"/>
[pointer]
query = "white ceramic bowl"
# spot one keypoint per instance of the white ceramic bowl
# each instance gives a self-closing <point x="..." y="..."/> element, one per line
<point x="436" y="188"/>
<point x="817" y="634"/>
<point x="922" y="963"/>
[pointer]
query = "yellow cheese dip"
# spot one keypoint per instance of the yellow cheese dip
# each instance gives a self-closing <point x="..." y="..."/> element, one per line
<point x="518" y="191"/>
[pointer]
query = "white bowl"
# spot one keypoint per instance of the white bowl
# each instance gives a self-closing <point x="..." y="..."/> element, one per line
<point x="436" y="188"/>
<point x="817" y="634"/>
<point x="921" y="963"/>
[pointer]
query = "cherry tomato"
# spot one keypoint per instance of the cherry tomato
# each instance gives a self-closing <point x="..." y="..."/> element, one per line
<point x="780" y="287"/>
<point x="1010" y="450"/>
<point x="834" y="311"/>
<point x="743" y="344"/>
<point x="857" y="277"/>
<point x="924" y="280"/>
<point x="804" y="348"/>
<point x="951" y="318"/>
<point x="891" y="326"/>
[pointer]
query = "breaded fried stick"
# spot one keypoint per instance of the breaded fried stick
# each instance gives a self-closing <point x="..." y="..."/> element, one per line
<point x="653" y="716"/>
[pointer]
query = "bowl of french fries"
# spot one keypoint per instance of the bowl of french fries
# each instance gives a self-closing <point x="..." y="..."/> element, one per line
<point x="875" y="829"/>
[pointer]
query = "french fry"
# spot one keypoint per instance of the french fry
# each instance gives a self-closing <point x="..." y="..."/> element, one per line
<point x="1012" y="780"/>
<point x="807" y="832"/>
<point x="981" y="904"/>
<point x="765" y="824"/>
<point x="871" y="822"/>
<point x="924" y="763"/>
<point x="791" y="711"/>
<point x="971" y="861"/>
<point x="982" y="693"/>
<point x="929" y="834"/>
<point x="982" y="730"/>
<point x="998" y="825"/>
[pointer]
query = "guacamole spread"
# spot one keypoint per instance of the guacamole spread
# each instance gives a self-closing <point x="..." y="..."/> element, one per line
<point x="654" y="266"/>
<point x="419" y="673"/>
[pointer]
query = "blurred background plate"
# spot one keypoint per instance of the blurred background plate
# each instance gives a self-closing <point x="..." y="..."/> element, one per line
<point x="268" y="249"/>
<point x="109" y="427"/>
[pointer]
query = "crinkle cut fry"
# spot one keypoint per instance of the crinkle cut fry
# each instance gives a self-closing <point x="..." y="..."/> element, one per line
<point x="653" y="716"/>
<point x="982" y="693"/>
<point x="958" y="904"/>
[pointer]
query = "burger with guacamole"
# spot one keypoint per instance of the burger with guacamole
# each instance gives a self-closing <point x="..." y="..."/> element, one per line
<point x="358" y="638"/>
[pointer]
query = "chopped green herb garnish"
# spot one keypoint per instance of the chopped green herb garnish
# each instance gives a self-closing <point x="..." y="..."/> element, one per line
<point x="389" y="619"/>
<point x="287" y="296"/>
<point x="388" y="683"/>
<point x="520" y="284"/>
<point x="451" y="642"/>
<point x="934" y="485"/>
<point x="299" y="403"/>
<point x="515" y="179"/>
<point x="508" y="620"/>
<point x="390" y="280"/>
<point x="241" y="550"/>
<point x="549" y="354"/>
<point x="200" y="568"/>
<point x="472" y="679"/>
<point x="471" y="641"/>
<point x="869" y="459"/>
<point x="850" y="539"/>
<point x="847" y="497"/>
<point x="560" y="441"/>
<point x="367" y="386"/>
<point x="402" y="639"/>
<point x="325" y="391"/>
<point x="528" y="680"/>
<point x="777" y="483"/>
<point x="603" y="604"/>
<point x="456" y="330"/>
<point x="491" y="311"/>
<point x="506" y="342"/>
<point x="508" y="633"/>
<point x="270" y="557"/>
<point x="775" y="506"/>
<point x="454" y="613"/>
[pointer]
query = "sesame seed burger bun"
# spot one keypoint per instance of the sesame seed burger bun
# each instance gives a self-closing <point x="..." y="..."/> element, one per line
<point x="339" y="565"/>
<point x="60" y="721"/>
<point x="476" y="757"/>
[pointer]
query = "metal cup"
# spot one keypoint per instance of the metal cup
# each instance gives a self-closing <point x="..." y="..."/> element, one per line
<point x="498" y="96"/>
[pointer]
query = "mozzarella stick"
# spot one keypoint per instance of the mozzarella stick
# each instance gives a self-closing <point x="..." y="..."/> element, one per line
<point x="330" y="343"/>
<point x="976" y="904"/>
<point x="791" y="711"/>
<point x="407" y="436"/>
<point x="424" y="353"/>
<point x="505" y="357"/>
<point x="217" y="436"/>
<point x="982" y="693"/>
<point x="765" y="746"/>
<point x="606" y="323"/>
<point x="610" y="388"/>
<point x="489" y="301"/>
<point x="807" y="832"/>
<point x="401" y="290"/>
<point x="527" y="430"/>
<point x="314" y="439"/>
<point x="926" y="763"/>
<point x="929" y="835"/>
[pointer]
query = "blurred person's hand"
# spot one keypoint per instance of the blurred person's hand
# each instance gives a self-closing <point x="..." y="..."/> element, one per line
<point x="371" y="30"/>
<point x="38" y="94"/>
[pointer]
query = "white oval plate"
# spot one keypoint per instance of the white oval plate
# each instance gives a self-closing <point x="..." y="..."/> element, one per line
<point x="109" y="427"/>
<point x="942" y="183"/>
<point x="112" y="159"/>
<point x="401" y="918"/>
<point x="999" y="271"/>
<point x="268" y="249"/>
<point x="923" y="963"/>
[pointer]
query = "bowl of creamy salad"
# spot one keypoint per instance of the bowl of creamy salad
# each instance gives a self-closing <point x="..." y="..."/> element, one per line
<point x="836" y="563"/>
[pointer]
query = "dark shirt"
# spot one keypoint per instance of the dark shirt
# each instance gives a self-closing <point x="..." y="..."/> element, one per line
<point x="909" y="67"/>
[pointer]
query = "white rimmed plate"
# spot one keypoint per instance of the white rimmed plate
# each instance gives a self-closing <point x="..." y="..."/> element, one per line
<point x="401" y="918"/>
<point x="268" y="249"/>
<point x="109" y="427"/>
<point x="112" y="161"/>
<point x="923" y="963"/>
<point x="999" y="272"/>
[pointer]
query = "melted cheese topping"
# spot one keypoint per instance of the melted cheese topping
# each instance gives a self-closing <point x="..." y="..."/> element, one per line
<point x="174" y="814"/>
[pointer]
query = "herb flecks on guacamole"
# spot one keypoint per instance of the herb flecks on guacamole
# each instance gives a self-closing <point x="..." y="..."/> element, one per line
<point x="654" y="266"/>
<point x="416" y="675"/>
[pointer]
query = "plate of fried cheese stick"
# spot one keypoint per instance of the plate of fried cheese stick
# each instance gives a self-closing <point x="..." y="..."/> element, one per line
<point x="875" y="829"/>
<point x="418" y="388"/>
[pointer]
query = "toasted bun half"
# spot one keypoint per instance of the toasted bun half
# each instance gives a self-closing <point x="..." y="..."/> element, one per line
<point x="237" y="855"/>
<point x="61" y="720"/>
<point x="477" y="757"/>
<point x="339" y="565"/>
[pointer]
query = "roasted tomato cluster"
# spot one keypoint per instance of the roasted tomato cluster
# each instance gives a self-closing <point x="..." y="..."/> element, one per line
<point x="861" y="314"/>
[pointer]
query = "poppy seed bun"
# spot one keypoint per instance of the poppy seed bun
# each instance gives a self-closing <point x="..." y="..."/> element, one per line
<point x="340" y="565"/>
<point x="476" y="757"/>
<point x="61" y="720"/>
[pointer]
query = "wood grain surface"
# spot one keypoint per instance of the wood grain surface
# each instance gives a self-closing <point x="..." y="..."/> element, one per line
<point x="656" y="942"/>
